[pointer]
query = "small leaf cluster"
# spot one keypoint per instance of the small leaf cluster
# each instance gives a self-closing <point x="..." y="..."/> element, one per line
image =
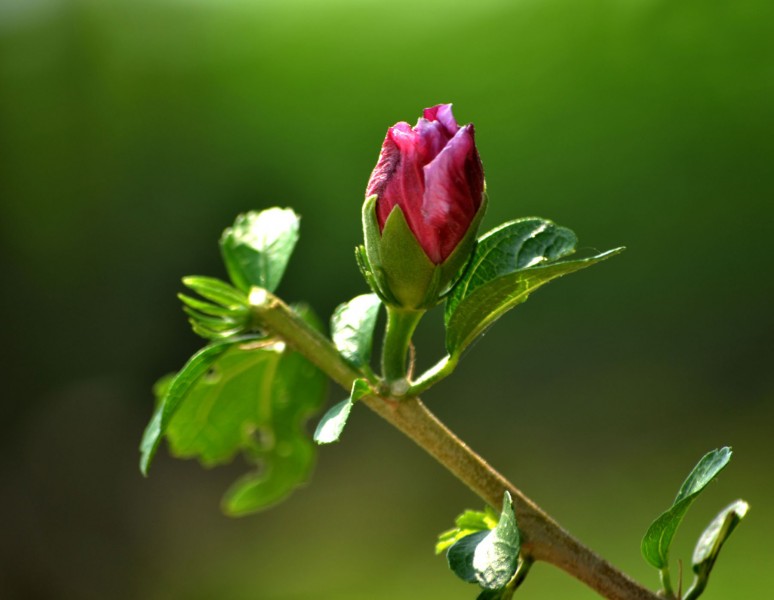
<point x="484" y="548"/>
<point x="658" y="538"/>
<point x="245" y="392"/>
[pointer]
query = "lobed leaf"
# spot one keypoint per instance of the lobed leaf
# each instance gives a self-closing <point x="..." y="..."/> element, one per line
<point x="257" y="247"/>
<point x="352" y="328"/>
<point x="509" y="263"/>
<point x="489" y="558"/>
<point x="243" y="395"/>
<point x="655" y="545"/>
<point x="174" y="390"/>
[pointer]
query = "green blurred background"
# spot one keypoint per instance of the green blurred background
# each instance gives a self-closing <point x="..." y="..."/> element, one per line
<point x="133" y="131"/>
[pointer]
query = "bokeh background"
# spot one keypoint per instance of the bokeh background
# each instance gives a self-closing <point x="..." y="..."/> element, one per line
<point x="133" y="131"/>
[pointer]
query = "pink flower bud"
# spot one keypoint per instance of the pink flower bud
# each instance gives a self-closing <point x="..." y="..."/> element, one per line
<point x="433" y="172"/>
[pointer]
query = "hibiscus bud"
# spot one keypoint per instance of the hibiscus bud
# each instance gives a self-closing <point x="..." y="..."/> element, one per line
<point x="424" y="202"/>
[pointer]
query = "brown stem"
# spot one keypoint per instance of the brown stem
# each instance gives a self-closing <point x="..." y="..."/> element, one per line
<point x="542" y="538"/>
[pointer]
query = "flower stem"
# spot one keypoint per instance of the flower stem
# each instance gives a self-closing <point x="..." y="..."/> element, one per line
<point x="401" y="324"/>
<point x="542" y="538"/>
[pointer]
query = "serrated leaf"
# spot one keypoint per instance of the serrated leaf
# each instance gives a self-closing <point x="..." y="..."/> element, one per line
<point x="175" y="390"/>
<point x="287" y="455"/>
<point x="227" y="407"/>
<point x="489" y="558"/>
<point x="256" y="249"/>
<point x="714" y="536"/>
<point x="333" y="421"/>
<point x="655" y="545"/>
<point x="352" y="328"/>
<point x="510" y="247"/>
<point x="509" y="263"/>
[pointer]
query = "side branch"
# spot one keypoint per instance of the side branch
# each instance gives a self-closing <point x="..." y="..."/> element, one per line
<point x="543" y="538"/>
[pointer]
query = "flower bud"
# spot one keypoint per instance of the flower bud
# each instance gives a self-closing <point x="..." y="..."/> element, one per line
<point x="423" y="205"/>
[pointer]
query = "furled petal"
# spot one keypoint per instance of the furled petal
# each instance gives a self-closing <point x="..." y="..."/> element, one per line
<point x="452" y="196"/>
<point x="433" y="172"/>
<point x="388" y="161"/>
<point x="443" y="114"/>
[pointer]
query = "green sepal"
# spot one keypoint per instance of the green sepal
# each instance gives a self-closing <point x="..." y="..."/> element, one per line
<point x="398" y="262"/>
<point x="257" y="247"/>
<point x="361" y="257"/>
<point x="395" y="264"/>
<point x="455" y="264"/>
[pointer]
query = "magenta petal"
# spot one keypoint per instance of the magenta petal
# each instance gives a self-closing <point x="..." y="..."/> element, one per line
<point x="452" y="197"/>
<point x="443" y="114"/>
<point x="433" y="172"/>
<point x="431" y="139"/>
<point x="389" y="158"/>
<point x="406" y="181"/>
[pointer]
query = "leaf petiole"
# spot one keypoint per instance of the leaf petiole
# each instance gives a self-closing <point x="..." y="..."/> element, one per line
<point x="441" y="370"/>
<point x="666" y="582"/>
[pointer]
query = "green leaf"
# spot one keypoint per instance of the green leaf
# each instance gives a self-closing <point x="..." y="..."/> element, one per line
<point x="352" y="328"/>
<point x="471" y="521"/>
<point x="206" y="308"/>
<point x="399" y="262"/>
<point x="175" y="390"/>
<point x="332" y="423"/>
<point x="256" y="249"/>
<point x="714" y="536"/>
<point x="509" y="263"/>
<point x="512" y="246"/>
<point x="250" y="396"/>
<point x="225" y="316"/>
<point x="655" y="545"/>
<point x="489" y="558"/>
<point x="286" y="454"/>
<point x="217" y="291"/>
